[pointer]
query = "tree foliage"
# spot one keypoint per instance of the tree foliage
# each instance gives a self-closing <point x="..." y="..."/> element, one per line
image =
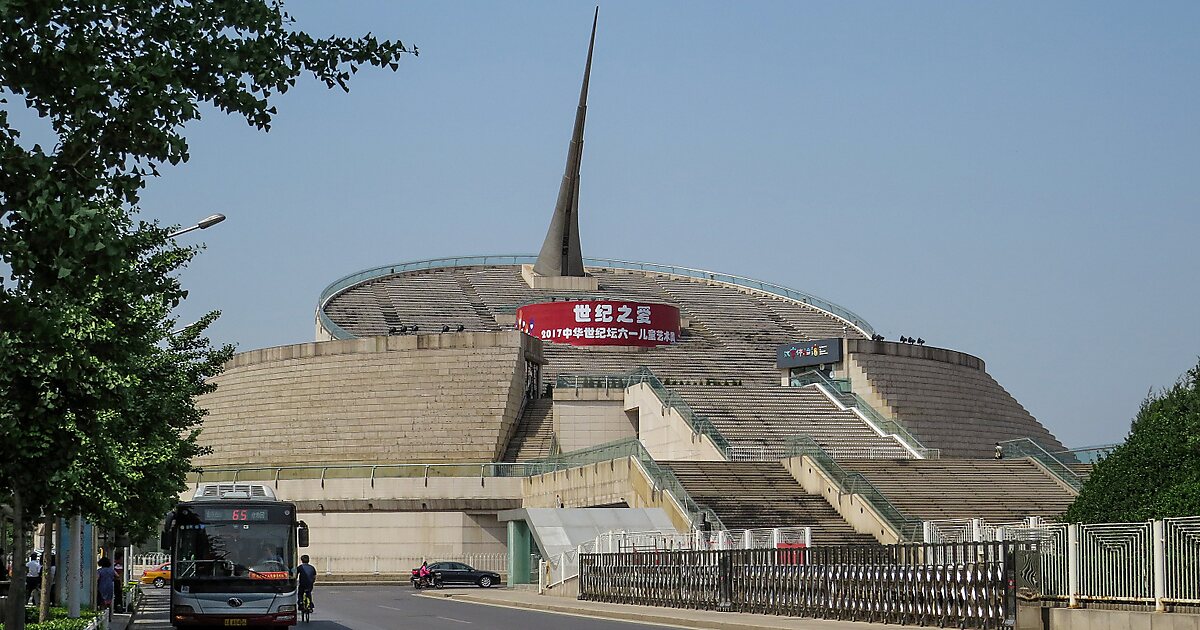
<point x="1156" y="472"/>
<point x="96" y="396"/>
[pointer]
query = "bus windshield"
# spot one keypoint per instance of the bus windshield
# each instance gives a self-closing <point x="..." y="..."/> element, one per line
<point x="234" y="550"/>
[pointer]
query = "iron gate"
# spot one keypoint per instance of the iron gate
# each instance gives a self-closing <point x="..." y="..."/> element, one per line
<point x="956" y="584"/>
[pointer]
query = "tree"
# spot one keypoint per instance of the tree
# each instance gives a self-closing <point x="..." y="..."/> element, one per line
<point x="1156" y="472"/>
<point x="86" y="360"/>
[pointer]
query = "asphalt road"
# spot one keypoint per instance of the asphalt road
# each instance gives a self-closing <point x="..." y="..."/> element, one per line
<point x="393" y="607"/>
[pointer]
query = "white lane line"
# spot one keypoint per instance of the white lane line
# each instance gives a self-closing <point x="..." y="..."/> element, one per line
<point x="391" y="608"/>
<point x="453" y="619"/>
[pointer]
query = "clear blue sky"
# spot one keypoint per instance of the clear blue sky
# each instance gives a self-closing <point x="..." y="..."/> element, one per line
<point x="1016" y="180"/>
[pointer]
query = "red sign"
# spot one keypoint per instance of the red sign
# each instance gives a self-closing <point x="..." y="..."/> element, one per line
<point x="600" y="323"/>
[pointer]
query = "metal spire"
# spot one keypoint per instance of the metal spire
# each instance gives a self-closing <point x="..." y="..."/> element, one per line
<point x="560" y="255"/>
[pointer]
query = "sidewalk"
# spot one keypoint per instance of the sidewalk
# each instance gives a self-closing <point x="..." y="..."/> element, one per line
<point x="680" y="617"/>
<point x="153" y="612"/>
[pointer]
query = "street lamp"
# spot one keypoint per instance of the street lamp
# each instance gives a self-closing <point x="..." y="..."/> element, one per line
<point x="204" y="223"/>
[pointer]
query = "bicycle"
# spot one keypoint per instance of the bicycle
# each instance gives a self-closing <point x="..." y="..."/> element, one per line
<point x="305" y="606"/>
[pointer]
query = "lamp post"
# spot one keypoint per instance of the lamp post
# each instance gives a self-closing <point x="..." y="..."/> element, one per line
<point x="207" y="222"/>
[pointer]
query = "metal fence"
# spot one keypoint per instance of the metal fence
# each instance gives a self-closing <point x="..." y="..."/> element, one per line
<point x="964" y="585"/>
<point x="402" y="566"/>
<point x="1155" y="563"/>
<point x="566" y="565"/>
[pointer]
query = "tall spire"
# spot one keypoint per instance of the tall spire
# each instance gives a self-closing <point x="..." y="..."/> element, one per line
<point x="560" y="255"/>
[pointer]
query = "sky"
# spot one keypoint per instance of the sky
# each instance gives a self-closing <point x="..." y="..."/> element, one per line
<point x="1014" y="180"/>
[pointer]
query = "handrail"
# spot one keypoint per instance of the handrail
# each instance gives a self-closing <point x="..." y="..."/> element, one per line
<point x="662" y="477"/>
<point x="369" y="472"/>
<point x="699" y="424"/>
<point x="840" y="388"/>
<point x="1026" y="447"/>
<point x="353" y="279"/>
<point x="907" y="528"/>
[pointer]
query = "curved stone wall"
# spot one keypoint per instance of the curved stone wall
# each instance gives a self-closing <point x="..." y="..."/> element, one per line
<point x="945" y="398"/>
<point x="416" y="398"/>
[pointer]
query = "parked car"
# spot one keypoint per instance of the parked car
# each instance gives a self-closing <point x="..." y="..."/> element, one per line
<point x="450" y="573"/>
<point x="159" y="576"/>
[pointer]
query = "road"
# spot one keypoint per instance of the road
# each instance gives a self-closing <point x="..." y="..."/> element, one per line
<point x="393" y="607"/>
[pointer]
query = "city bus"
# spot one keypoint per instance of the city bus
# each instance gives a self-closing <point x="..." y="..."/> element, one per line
<point x="233" y="557"/>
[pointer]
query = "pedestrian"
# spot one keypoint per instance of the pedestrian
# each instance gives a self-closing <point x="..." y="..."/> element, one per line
<point x="106" y="583"/>
<point x="33" y="579"/>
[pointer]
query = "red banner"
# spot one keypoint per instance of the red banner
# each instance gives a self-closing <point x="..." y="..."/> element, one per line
<point x="600" y="323"/>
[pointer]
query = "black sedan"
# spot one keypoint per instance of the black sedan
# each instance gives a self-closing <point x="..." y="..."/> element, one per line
<point x="458" y="573"/>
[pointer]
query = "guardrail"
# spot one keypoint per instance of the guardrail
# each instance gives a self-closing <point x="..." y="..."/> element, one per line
<point x="962" y="585"/>
<point x="698" y="423"/>
<point x="1150" y="564"/>
<point x="1025" y="447"/>
<point x="661" y="477"/>
<point x="908" y="529"/>
<point x="372" y="472"/>
<point x="841" y="390"/>
<point x="353" y="279"/>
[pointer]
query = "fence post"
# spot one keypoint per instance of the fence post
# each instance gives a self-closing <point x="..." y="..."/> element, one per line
<point x="747" y="539"/>
<point x="807" y="537"/>
<point x="375" y="564"/>
<point x="1158" y="543"/>
<point x="927" y="531"/>
<point x="976" y="530"/>
<point x="541" y="576"/>
<point x="776" y="538"/>
<point x="1073" y="565"/>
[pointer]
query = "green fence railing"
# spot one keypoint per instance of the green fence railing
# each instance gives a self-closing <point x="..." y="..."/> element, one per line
<point x="1025" y="447"/>
<point x="840" y="388"/>
<point x="907" y="528"/>
<point x="698" y="423"/>
<point x="660" y="476"/>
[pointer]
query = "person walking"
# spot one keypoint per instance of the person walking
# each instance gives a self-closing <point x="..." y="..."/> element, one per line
<point x="33" y="580"/>
<point x="106" y="584"/>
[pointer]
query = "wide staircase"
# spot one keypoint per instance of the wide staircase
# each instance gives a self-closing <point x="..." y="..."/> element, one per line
<point x="999" y="491"/>
<point x="748" y="495"/>
<point x="534" y="433"/>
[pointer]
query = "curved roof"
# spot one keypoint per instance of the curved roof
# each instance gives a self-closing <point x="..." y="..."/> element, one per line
<point x="336" y="291"/>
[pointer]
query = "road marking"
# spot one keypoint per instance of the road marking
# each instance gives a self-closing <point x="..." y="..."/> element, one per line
<point x="392" y="608"/>
<point x="453" y="619"/>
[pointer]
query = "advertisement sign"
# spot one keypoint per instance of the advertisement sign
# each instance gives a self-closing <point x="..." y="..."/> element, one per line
<point x="806" y="353"/>
<point x="600" y="322"/>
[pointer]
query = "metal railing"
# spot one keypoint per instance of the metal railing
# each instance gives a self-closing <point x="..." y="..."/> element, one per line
<point x="353" y="279"/>
<point x="661" y="477"/>
<point x="566" y="565"/>
<point x="699" y="424"/>
<point x="1156" y="563"/>
<point x="963" y="585"/>
<point x="402" y="565"/>
<point x="840" y="390"/>
<point x="1025" y="447"/>
<point x="907" y="528"/>
<point x="1085" y="454"/>
<point x="371" y="472"/>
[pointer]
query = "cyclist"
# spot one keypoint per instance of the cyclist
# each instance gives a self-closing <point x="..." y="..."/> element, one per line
<point x="306" y="576"/>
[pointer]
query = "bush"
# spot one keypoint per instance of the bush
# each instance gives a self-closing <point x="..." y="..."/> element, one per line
<point x="58" y="619"/>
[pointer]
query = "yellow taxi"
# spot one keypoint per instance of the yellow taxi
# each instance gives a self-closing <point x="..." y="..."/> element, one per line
<point x="159" y="576"/>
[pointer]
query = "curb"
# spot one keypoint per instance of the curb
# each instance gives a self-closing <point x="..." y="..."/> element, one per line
<point x="617" y="615"/>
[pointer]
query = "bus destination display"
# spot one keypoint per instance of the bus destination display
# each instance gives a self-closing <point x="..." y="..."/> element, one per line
<point x="234" y="514"/>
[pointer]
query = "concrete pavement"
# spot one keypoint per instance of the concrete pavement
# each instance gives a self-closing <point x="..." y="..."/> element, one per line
<point x="678" y="617"/>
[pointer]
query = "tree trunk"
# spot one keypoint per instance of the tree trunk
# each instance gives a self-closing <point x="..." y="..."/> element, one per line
<point x="16" y="589"/>
<point x="47" y="583"/>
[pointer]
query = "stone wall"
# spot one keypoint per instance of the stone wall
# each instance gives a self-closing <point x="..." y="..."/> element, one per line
<point x="589" y="417"/>
<point x="416" y="398"/>
<point x="945" y="398"/>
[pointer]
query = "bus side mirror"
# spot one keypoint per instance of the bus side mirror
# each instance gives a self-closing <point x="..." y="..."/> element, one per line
<point x="303" y="534"/>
